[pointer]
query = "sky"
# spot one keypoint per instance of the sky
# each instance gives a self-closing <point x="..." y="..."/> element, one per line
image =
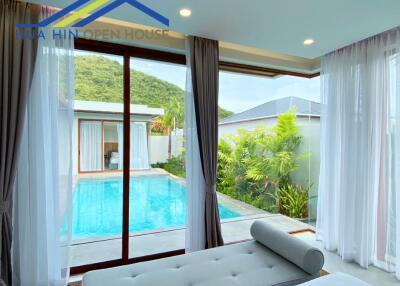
<point x="238" y="92"/>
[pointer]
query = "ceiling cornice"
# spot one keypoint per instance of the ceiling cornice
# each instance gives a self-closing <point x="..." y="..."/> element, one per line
<point x="175" y="42"/>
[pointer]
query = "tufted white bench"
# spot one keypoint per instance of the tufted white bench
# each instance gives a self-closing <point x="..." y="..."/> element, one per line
<point x="249" y="264"/>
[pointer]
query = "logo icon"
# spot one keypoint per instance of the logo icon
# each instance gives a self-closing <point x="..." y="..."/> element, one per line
<point x="90" y="12"/>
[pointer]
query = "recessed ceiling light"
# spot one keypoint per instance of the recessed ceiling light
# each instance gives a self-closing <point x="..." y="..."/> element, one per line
<point x="185" y="12"/>
<point x="308" y="42"/>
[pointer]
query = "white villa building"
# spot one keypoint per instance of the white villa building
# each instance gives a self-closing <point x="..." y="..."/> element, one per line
<point x="98" y="136"/>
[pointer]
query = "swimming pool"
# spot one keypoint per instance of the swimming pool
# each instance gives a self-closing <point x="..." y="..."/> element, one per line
<point x="156" y="202"/>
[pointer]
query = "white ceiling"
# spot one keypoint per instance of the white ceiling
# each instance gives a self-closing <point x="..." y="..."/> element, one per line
<point x="272" y="25"/>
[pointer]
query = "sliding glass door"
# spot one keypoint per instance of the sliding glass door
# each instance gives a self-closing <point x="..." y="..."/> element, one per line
<point x="130" y="198"/>
<point x="157" y="186"/>
<point x="98" y="196"/>
<point x="268" y="155"/>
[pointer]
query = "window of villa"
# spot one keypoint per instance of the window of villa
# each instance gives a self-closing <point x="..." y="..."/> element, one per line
<point x="268" y="156"/>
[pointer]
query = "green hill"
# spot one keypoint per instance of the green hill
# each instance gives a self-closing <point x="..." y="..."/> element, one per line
<point x="101" y="79"/>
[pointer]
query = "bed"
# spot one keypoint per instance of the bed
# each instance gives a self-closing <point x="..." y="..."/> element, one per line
<point x="272" y="258"/>
<point x="114" y="160"/>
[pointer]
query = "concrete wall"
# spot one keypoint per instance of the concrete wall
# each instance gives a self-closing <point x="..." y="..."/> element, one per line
<point x="159" y="147"/>
<point x="232" y="128"/>
<point x="308" y="171"/>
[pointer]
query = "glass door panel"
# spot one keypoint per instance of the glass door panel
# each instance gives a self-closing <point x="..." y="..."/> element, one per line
<point x="157" y="158"/>
<point x="97" y="200"/>
<point x="268" y="153"/>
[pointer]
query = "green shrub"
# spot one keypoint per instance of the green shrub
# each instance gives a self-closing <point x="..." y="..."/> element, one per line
<point x="292" y="200"/>
<point x="175" y="166"/>
<point x="254" y="165"/>
<point x="225" y="178"/>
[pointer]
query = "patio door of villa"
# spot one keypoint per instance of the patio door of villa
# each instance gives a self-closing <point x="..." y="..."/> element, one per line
<point x="101" y="145"/>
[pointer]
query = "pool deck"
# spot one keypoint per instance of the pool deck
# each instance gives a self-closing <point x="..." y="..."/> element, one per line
<point x="116" y="174"/>
<point x="90" y="251"/>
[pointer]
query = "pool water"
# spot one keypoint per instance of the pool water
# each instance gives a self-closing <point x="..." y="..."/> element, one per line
<point x="156" y="202"/>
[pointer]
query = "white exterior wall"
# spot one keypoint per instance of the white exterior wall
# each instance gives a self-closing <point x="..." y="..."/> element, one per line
<point x="159" y="147"/>
<point x="308" y="170"/>
<point x="232" y="128"/>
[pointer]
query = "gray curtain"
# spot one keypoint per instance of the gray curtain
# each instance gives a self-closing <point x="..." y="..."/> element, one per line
<point x="17" y="59"/>
<point x="204" y="57"/>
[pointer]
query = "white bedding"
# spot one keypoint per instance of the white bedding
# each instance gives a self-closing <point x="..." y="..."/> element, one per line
<point x="114" y="159"/>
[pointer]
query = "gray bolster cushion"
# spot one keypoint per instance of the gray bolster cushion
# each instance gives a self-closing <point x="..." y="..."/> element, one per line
<point x="308" y="258"/>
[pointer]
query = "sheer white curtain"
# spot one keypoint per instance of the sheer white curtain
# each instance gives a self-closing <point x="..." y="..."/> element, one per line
<point x="360" y="152"/>
<point x="42" y="202"/>
<point x="139" y="152"/>
<point x="91" y="134"/>
<point x="195" y="206"/>
<point x="120" y="129"/>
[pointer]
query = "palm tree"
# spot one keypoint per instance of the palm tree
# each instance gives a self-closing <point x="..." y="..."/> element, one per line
<point x="177" y="112"/>
<point x="172" y="119"/>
